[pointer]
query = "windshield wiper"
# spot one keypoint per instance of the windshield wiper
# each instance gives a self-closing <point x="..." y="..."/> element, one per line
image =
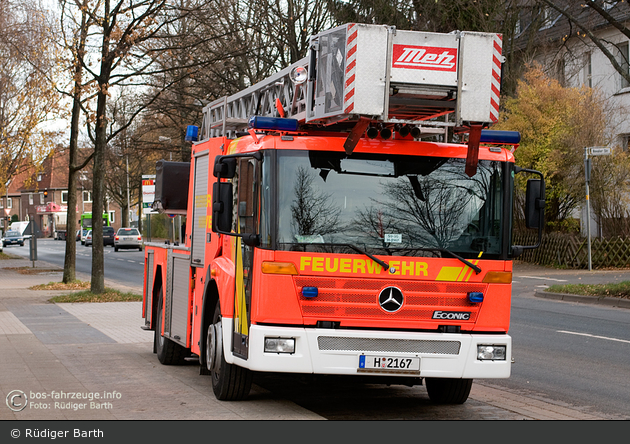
<point x="443" y="250"/>
<point x="383" y="264"/>
<point x="457" y="256"/>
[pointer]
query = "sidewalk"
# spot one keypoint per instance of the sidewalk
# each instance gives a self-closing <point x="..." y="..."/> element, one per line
<point x="93" y="362"/>
<point x="577" y="277"/>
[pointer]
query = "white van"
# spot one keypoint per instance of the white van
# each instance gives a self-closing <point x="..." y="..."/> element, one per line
<point x="20" y="227"/>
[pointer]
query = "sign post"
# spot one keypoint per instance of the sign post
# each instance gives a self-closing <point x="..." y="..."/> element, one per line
<point x="32" y="229"/>
<point x="591" y="151"/>
<point x="148" y="196"/>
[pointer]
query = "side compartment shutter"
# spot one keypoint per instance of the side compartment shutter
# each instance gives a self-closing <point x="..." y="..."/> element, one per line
<point x="200" y="212"/>
<point x="180" y="295"/>
<point x="148" y="290"/>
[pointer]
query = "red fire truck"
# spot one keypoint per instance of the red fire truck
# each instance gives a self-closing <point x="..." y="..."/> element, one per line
<point x="331" y="229"/>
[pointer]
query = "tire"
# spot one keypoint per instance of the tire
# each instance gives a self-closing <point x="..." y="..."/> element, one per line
<point x="447" y="390"/>
<point x="168" y="352"/>
<point x="115" y="248"/>
<point x="140" y="249"/>
<point x="229" y="382"/>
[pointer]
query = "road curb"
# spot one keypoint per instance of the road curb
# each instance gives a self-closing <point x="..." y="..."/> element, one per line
<point x="595" y="300"/>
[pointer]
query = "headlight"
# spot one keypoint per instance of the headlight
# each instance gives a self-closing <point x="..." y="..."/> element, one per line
<point x="279" y="345"/>
<point x="491" y="352"/>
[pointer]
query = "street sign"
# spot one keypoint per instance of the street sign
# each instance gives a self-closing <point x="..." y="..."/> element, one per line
<point x="148" y="193"/>
<point x="599" y="151"/>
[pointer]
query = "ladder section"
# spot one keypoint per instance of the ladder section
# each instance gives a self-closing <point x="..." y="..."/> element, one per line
<point x="230" y="114"/>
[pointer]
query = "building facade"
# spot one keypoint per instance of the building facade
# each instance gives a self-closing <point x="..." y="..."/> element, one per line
<point x="41" y="195"/>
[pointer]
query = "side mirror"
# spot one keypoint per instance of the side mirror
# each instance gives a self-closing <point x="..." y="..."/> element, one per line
<point x="534" y="209"/>
<point x="224" y="167"/>
<point x="534" y="204"/>
<point x="222" y="207"/>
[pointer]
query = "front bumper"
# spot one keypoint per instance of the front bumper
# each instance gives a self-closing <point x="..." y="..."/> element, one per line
<point x="336" y="352"/>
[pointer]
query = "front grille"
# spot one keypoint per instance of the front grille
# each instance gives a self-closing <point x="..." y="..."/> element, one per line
<point x="334" y="343"/>
<point x="358" y="298"/>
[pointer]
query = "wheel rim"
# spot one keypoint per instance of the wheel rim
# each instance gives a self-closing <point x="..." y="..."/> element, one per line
<point x="158" y="329"/>
<point x="214" y="346"/>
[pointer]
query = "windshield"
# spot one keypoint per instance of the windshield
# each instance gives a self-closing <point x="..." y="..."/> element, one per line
<point x="389" y="204"/>
<point x="128" y="232"/>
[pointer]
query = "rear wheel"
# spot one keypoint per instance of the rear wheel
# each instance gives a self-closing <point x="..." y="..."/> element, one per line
<point x="168" y="352"/>
<point x="448" y="391"/>
<point x="229" y="382"/>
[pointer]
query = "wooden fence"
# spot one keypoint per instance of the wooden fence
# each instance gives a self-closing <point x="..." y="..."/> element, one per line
<point x="570" y="251"/>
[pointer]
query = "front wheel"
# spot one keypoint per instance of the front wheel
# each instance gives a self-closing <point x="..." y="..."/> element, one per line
<point x="229" y="382"/>
<point x="447" y="390"/>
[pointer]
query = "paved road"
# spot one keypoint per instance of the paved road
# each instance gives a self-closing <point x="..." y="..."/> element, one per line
<point x="124" y="266"/>
<point x="570" y="352"/>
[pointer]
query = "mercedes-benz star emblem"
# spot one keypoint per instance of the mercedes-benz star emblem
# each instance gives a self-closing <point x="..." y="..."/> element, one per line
<point x="391" y="299"/>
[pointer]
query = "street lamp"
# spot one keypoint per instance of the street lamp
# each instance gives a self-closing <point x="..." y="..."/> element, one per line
<point x="168" y="140"/>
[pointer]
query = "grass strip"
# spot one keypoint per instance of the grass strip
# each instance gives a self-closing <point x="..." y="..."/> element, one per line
<point x="81" y="293"/>
<point x="109" y="295"/>
<point x="76" y="285"/>
<point x="616" y="290"/>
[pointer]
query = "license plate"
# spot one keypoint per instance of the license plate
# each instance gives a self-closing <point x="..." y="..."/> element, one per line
<point x="389" y="364"/>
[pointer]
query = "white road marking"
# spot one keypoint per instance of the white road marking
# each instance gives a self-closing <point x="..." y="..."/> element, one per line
<point x="544" y="278"/>
<point x="594" y="336"/>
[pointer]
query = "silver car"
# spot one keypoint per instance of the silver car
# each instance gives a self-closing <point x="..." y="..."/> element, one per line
<point x="128" y="238"/>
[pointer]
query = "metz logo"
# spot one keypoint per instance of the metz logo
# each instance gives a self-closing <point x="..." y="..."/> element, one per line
<point x="425" y="57"/>
<point x="453" y="315"/>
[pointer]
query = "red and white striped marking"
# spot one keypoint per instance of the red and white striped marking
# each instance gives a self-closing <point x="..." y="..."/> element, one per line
<point x="496" y="78"/>
<point x="351" y="67"/>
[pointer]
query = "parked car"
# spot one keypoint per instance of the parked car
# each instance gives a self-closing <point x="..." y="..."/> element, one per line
<point x="83" y="234"/>
<point x="88" y="239"/>
<point x="127" y="238"/>
<point x="108" y="236"/>
<point x="79" y="234"/>
<point x="13" y="238"/>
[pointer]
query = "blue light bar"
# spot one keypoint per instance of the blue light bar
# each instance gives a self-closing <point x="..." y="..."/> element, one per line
<point x="273" y="123"/>
<point x="310" y="292"/>
<point x="500" y="137"/>
<point x="192" y="133"/>
<point x="475" y="297"/>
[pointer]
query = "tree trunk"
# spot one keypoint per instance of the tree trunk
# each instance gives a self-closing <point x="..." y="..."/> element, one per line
<point x="69" y="265"/>
<point x="98" y="185"/>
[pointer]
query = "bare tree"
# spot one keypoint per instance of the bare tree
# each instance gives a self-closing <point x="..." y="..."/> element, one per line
<point x="589" y="15"/>
<point x="27" y="100"/>
<point x="312" y="211"/>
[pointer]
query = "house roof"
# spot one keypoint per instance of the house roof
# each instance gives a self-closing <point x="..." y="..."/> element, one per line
<point x="54" y="172"/>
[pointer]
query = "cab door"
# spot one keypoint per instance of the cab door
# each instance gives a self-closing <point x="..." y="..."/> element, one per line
<point x="246" y="194"/>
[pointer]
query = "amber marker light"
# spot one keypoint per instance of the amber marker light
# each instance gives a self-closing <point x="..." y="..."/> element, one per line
<point x="279" y="268"/>
<point x="498" y="277"/>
